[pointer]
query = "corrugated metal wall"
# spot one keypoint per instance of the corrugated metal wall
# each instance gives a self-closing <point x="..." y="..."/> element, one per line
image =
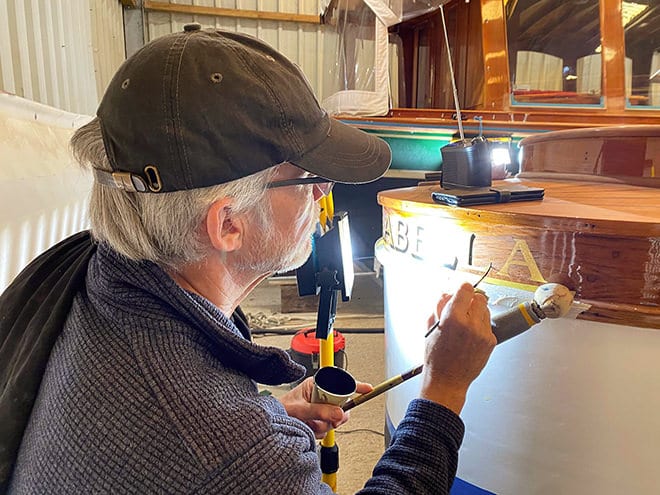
<point x="60" y="53"/>
<point x="107" y="40"/>
<point x="300" y="42"/>
<point x="63" y="53"/>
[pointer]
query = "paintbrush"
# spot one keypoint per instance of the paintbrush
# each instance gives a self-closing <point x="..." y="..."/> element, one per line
<point x="382" y="387"/>
<point x="398" y="379"/>
<point x="550" y="301"/>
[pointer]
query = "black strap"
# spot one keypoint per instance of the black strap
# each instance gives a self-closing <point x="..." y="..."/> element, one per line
<point x="503" y="195"/>
<point x="33" y="311"/>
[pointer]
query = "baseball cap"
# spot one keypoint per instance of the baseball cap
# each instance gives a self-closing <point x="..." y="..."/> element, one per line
<point x="205" y="107"/>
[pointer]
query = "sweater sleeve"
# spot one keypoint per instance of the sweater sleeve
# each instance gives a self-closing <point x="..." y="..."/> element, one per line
<point x="283" y="462"/>
<point x="423" y="455"/>
<point x="422" y="459"/>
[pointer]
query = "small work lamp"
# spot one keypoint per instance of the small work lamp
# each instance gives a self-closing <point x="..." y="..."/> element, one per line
<point x="328" y="270"/>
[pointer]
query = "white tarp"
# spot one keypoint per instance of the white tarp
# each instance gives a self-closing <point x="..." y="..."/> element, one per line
<point x="43" y="194"/>
<point x="358" y="83"/>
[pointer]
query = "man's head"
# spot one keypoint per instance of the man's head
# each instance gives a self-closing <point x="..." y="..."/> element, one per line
<point x="205" y="107"/>
<point x="198" y="116"/>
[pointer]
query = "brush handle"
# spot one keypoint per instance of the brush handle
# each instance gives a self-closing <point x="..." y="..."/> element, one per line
<point x="382" y="387"/>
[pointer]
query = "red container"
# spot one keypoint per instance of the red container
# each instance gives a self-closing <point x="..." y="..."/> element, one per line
<point x="305" y="350"/>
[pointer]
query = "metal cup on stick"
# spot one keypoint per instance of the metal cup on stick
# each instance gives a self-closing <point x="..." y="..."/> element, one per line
<point x="333" y="385"/>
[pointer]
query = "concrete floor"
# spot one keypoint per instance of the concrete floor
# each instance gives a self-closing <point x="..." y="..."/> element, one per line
<point x="275" y="305"/>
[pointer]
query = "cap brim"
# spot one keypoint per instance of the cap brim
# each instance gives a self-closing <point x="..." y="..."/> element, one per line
<point x="348" y="155"/>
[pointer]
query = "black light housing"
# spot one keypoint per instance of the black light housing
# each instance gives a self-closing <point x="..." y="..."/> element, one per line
<point x="466" y="163"/>
<point x="327" y="271"/>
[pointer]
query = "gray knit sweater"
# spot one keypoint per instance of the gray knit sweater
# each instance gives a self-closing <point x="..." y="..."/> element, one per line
<point x="151" y="389"/>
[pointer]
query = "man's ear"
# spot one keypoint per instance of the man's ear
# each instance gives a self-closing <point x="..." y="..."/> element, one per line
<point x="225" y="230"/>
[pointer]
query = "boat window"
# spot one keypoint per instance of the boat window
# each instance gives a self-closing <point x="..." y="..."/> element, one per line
<point x="424" y="77"/>
<point x="641" y="24"/>
<point x="554" y="51"/>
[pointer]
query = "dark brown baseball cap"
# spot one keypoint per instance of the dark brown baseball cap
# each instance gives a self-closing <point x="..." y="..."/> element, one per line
<point x="204" y="107"/>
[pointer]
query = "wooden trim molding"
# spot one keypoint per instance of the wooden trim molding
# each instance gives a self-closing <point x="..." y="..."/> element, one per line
<point x="222" y="12"/>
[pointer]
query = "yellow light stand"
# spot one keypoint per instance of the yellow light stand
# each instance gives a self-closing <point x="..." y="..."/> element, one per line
<point x="328" y="359"/>
<point x="327" y="350"/>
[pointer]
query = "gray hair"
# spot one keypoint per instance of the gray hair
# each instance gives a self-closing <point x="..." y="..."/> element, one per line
<point x="165" y="228"/>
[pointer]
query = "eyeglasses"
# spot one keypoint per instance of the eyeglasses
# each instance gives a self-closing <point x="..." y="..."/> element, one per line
<point x="324" y="185"/>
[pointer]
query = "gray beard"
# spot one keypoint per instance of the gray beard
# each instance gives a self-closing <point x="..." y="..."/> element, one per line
<point x="273" y="253"/>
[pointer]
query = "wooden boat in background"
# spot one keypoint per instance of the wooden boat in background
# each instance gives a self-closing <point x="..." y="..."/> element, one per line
<point x="522" y="67"/>
<point x="506" y="54"/>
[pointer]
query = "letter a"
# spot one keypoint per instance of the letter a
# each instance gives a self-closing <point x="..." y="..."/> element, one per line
<point x="529" y="262"/>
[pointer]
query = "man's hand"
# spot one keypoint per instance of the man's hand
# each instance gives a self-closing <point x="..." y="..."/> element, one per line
<point x="319" y="417"/>
<point x="457" y="352"/>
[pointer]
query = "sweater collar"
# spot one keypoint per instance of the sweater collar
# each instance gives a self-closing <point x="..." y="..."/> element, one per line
<point x="141" y="290"/>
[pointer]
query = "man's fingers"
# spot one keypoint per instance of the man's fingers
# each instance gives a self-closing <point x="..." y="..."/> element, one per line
<point x="319" y="428"/>
<point x="363" y="388"/>
<point x="463" y="297"/>
<point x="327" y="413"/>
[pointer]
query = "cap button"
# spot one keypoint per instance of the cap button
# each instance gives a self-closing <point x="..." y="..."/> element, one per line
<point x="193" y="26"/>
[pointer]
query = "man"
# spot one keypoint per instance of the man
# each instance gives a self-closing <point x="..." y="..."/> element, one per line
<point x="209" y="153"/>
